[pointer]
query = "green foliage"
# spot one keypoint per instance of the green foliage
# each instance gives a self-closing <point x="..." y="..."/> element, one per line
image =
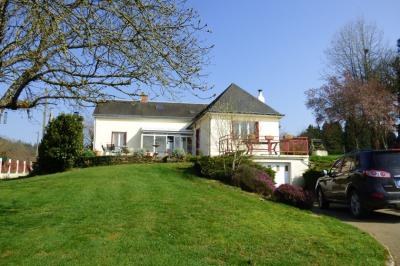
<point x="312" y="132"/>
<point x="111" y="160"/>
<point x="88" y="153"/>
<point x="61" y="145"/>
<point x="271" y="173"/>
<point x="332" y="136"/>
<point x="357" y="136"/>
<point x="178" y="154"/>
<point x="310" y="179"/>
<point x="219" y="167"/>
<point x="139" y="153"/>
<point x="3" y="156"/>
<point x="252" y="179"/>
<point x="318" y="164"/>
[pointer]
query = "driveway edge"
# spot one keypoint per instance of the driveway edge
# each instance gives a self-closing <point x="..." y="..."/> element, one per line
<point x="389" y="259"/>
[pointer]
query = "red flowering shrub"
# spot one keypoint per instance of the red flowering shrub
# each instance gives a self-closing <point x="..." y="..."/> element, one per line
<point x="254" y="180"/>
<point x="294" y="195"/>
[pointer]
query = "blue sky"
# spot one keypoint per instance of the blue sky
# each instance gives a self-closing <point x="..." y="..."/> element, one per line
<point x="277" y="46"/>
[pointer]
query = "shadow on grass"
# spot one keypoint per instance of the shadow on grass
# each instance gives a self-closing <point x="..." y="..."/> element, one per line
<point x="189" y="172"/>
<point x="342" y="213"/>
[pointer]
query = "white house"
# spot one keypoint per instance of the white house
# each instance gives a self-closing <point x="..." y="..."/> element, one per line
<point x="235" y="120"/>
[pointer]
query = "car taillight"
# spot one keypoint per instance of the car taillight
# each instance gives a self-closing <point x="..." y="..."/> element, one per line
<point x="377" y="173"/>
<point x="377" y="195"/>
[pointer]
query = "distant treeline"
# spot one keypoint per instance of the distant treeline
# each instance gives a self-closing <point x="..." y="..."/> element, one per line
<point x="17" y="150"/>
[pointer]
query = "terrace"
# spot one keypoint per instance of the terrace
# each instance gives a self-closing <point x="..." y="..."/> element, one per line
<point x="264" y="145"/>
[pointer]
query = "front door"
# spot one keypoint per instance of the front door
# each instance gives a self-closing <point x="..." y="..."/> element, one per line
<point x="287" y="177"/>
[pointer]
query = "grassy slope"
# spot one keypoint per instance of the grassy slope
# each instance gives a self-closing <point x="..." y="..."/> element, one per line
<point x="323" y="162"/>
<point x="161" y="215"/>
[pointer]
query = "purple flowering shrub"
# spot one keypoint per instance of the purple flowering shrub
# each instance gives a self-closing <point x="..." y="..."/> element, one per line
<point x="294" y="195"/>
<point x="253" y="180"/>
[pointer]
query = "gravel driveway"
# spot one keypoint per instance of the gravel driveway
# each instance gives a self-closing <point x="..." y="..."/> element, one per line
<point x="384" y="225"/>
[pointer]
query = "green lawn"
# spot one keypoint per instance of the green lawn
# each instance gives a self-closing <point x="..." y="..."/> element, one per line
<point x="323" y="162"/>
<point x="161" y="215"/>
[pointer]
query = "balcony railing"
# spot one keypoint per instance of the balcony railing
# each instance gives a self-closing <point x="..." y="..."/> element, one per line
<point x="269" y="145"/>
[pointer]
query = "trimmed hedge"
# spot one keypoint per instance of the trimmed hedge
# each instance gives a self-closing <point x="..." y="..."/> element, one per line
<point x="112" y="160"/>
<point x="220" y="167"/>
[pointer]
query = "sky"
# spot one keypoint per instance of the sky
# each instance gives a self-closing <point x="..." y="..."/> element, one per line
<point x="277" y="46"/>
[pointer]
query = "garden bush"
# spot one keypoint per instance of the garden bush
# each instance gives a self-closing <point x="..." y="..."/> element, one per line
<point x="310" y="179"/>
<point x="294" y="196"/>
<point x="61" y="145"/>
<point x="112" y="160"/>
<point x="267" y="170"/>
<point x="219" y="167"/>
<point x="88" y="153"/>
<point x="252" y="179"/>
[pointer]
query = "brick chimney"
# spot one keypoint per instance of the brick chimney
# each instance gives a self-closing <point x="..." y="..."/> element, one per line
<point x="144" y="98"/>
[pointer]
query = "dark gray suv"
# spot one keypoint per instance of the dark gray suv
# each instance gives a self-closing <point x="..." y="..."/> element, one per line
<point x="365" y="180"/>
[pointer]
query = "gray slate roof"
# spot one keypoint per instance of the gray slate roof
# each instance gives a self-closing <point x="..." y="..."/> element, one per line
<point x="236" y="100"/>
<point x="232" y="100"/>
<point x="149" y="109"/>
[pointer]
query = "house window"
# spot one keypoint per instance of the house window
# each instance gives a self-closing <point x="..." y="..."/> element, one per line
<point x="148" y="142"/>
<point x="244" y="129"/>
<point x="187" y="144"/>
<point x="118" y="139"/>
<point x="163" y="144"/>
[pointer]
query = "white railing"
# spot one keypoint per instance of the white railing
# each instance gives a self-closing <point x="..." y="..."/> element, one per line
<point x="14" y="168"/>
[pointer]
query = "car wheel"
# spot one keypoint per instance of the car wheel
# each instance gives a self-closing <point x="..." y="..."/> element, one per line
<point x="356" y="207"/>
<point x="322" y="202"/>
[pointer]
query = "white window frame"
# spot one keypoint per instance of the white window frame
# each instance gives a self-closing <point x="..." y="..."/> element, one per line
<point x="166" y="140"/>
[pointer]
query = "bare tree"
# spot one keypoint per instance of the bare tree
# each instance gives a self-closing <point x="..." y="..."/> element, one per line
<point x="89" y="51"/>
<point x="358" y="49"/>
<point x="347" y="99"/>
<point x="224" y="136"/>
<point x="88" y="132"/>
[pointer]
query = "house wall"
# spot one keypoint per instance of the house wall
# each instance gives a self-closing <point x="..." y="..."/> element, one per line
<point x="103" y="127"/>
<point x="296" y="164"/>
<point x="204" y="125"/>
<point x="220" y="125"/>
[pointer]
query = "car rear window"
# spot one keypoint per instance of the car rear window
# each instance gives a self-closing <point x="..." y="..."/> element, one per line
<point x="388" y="161"/>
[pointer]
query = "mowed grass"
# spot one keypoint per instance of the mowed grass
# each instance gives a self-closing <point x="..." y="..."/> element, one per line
<point x="162" y="215"/>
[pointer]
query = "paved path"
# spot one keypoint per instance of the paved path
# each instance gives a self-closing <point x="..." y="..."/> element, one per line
<point x="384" y="225"/>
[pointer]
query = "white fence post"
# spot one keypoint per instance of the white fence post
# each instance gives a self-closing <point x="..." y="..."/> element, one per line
<point x="9" y="166"/>
<point x="23" y="171"/>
